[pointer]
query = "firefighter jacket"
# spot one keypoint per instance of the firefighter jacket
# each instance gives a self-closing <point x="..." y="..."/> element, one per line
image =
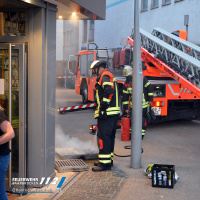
<point x="147" y="93"/>
<point x="107" y="95"/>
<point x="127" y="93"/>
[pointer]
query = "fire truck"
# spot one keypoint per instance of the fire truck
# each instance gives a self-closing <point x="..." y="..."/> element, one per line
<point x="170" y="63"/>
<point x="85" y="82"/>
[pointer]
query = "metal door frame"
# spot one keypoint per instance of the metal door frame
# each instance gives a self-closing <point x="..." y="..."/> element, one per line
<point x="22" y="105"/>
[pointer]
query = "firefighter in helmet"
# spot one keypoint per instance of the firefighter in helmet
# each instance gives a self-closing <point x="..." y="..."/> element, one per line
<point x="127" y="96"/>
<point x="106" y="113"/>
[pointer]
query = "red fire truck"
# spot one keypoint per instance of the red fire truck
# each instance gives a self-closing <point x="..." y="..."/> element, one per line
<point x="173" y="72"/>
<point x="85" y="82"/>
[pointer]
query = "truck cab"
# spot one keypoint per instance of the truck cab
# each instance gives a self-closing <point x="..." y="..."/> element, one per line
<point x="85" y="82"/>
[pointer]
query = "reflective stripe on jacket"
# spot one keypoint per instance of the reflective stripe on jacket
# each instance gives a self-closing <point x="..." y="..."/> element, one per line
<point x="127" y="96"/>
<point x="107" y="93"/>
<point x="147" y="93"/>
<point x="147" y="90"/>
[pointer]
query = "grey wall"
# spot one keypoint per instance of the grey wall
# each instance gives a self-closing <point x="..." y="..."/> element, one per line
<point x="59" y="40"/>
<point x="118" y="23"/>
<point x="41" y="92"/>
<point x="120" y="20"/>
<point x="63" y="48"/>
<point x="171" y="17"/>
<point x="50" y="84"/>
<point x="66" y="45"/>
<point x="72" y="49"/>
<point x="94" y="6"/>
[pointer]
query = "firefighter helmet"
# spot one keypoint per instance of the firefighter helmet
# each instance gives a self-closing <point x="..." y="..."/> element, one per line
<point x="97" y="64"/>
<point x="127" y="71"/>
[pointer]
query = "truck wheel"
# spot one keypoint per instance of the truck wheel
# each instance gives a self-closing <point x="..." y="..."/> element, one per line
<point x="85" y="96"/>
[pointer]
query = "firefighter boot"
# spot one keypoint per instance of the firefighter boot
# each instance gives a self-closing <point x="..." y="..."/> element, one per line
<point x="100" y="169"/>
<point x="98" y="163"/>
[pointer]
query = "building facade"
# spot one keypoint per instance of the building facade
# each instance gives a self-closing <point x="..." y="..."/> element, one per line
<point x="166" y="14"/>
<point x="71" y="36"/>
<point x="169" y="15"/>
<point x="67" y="42"/>
<point x="28" y="78"/>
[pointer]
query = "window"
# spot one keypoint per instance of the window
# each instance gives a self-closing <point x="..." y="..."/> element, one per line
<point x="154" y="4"/>
<point x="68" y="38"/>
<point x="85" y="62"/>
<point x="144" y="5"/>
<point x="91" y="31"/>
<point x="91" y="24"/>
<point x="166" y="2"/>
<point x="85" y="31"/>
<point x="12" y="23"/>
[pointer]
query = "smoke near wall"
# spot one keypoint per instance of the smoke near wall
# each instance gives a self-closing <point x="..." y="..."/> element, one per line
<point x="67" y="145"/>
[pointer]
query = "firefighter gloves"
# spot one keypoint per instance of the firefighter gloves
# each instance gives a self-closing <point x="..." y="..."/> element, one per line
<point x="96" y="85"/>
<point x="104" y="106"/>
<point x="102" y="114"/>
<point x="102" y="111"/>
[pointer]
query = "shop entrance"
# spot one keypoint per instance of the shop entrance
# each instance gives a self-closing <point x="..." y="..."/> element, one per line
<point x="13" y="98"/>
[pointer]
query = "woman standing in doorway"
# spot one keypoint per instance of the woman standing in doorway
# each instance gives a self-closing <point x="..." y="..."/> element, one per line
<point x="6" y="134"/>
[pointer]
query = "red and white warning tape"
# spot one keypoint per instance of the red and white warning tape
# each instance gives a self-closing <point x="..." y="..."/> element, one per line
<point x="65" y="76"/>
<point x="76" y="108"/>
<point x="93" y="127"/>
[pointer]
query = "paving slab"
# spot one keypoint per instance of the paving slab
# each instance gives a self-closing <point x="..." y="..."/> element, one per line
<point x="96" y="185"/>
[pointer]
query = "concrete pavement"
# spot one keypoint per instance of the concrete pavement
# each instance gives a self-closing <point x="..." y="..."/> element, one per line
<point x="161" y="145"/>
<point x="174" y="143"/>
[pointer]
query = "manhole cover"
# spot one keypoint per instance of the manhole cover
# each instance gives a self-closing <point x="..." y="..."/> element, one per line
<point x="75" y="165"/>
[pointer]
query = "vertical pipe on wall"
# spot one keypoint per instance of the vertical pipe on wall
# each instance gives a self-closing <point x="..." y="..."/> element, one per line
<point x="65" y="77"/>
<point x="45" y="88"/>
<point x="10" y="105"/>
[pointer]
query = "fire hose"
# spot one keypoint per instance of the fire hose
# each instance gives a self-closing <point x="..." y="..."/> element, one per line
<point x="127" y="147"/>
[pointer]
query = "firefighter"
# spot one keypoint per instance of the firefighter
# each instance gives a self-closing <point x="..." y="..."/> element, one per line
<point x="127" y="97"/>
<point x="106" y="113"/>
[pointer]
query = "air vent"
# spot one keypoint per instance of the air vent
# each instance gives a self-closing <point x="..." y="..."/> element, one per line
<point x="75" y="165"/>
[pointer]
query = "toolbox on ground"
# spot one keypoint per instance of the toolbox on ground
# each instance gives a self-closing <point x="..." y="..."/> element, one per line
<point x="163" y="176"/>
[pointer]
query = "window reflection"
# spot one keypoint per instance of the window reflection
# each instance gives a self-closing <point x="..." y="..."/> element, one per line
<point x="12" y="23"/>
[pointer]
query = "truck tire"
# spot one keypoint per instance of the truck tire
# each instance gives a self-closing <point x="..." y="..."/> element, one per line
<point x="85" y="96"/>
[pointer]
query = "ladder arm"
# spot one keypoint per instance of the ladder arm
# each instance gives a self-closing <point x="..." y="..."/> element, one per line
<point x="184" y="46"/>
<point x="146" y="55"/>
<point x="169" y="71"/>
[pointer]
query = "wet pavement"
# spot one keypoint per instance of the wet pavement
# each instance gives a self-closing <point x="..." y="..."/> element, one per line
<point x="98" y="185"/>
<point x="172" y="143"/>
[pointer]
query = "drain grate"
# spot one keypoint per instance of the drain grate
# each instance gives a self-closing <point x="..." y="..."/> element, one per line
<point x="75" y="165"/>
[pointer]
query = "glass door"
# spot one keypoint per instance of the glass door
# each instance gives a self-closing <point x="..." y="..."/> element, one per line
<point x="13" y="100"/>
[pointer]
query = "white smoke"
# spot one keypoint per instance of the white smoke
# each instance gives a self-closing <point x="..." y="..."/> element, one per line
<point x="67" y="145"/>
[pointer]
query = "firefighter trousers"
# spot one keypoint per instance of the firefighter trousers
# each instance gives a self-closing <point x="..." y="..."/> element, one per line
<point x="106" y="138"/>
<point x="144" y="121"/>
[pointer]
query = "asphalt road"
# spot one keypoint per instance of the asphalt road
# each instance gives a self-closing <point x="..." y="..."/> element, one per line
<point x="72" y="129"/>
<point x="173" y="143"/>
